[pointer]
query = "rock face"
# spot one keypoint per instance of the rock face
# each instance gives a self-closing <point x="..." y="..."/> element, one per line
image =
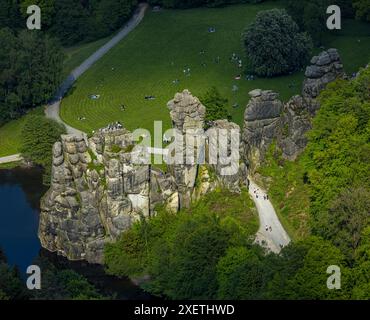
<point x="229" y="174"/>
<point x="324" y="68"/>
<point x="187" y="114"/>
<point x="261" y="124"/>
<point x="98" y="191"/>
<point x="294" y="123"/>
<point x="267" y="119"/>
<point x="163" y="189"/>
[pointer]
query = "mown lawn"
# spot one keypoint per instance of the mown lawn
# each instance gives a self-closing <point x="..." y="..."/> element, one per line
<point x="165" y="43"/>
<point x="155" y="54"/>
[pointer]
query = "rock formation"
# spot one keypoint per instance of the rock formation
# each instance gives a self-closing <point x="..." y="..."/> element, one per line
<point x="95" y="194"/>
<point x="267" y="119"/>
<point x="231" y="174"/>
<point x="295" y="121"/>
<point x="324" y="68"/>
<point x="261" y="124"/>
<point x="97" y="190"/>
<point x="187" y="114"/>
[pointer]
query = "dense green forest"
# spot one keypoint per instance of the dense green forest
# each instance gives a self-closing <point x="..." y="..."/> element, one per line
<point x="31" y="67"/>
<point x="31" y="61"/>
<point x="56" y="284"/>
<point x="209" y="254"/>
<point x="70" y="21"/>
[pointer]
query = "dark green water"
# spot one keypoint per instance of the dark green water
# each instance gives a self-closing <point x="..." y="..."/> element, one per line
<point x="20" y="194"/>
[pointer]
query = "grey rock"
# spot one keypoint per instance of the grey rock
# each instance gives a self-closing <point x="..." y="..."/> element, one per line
<point x="266" y="118"/>
<point x="57" y="150"/>
<point x="261" y="125"/>
<point x="325" y="68"/>
<point x="187" y="113"/>
<point x="255" y="93"/>
<point x="323" y="59"/>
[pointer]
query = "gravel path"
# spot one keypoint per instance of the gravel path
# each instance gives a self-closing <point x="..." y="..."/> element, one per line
<point x="12" y="158"/>
<point x="273" y="238"/>
<point x="53" y="109"/>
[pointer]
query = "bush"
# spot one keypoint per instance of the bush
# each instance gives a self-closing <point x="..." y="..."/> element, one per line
<point x="59" y="283"/>
<point x="11" y="284"/>
<point x="215" y="105"/>
<point x="38" y="136"/>
<point x="362" y="8"/>
<point x="180" y="251"/>
<point x="274" y="44"/>
<point x="241" y="274"/>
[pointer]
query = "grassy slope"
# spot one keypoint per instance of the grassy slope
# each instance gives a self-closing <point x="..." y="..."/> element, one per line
<point x="353" y="42"/>
<point x="10" y="133"/>
<point x="77" y="54"/>
<point x="143" y="66"/>
<point x="155" y="54"/>
<point x="288" y="194"/>
<point x="227" y="204"/>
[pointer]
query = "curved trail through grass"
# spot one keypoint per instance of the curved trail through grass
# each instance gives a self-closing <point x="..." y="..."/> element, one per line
<point x="271" y="233"/>
<point x="53" y="109"/>
<point x="12" y="158"/>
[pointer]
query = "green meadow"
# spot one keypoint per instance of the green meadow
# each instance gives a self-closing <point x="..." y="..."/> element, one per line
<point x="152" y="59"/>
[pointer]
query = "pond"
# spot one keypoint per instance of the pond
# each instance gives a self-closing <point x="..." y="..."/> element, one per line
<point x="20" y="194"/>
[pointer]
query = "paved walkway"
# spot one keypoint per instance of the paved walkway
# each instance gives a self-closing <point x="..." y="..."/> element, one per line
<point x="53" y="109"/>
<point x="273" y="238"/>
<point x="9" y="159"/>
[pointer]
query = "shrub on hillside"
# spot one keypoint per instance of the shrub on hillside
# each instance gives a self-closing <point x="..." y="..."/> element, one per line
<point x="274" y="44"/>
<point x="215" y="105"/>
<point x="38" y="136"/>
<point x="337" y="162"/>
<point x="362" y="8"/>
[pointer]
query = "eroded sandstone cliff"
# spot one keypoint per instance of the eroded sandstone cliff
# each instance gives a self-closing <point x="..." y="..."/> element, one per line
<point x="97" y="190"/>
<point x="268" y="119"/>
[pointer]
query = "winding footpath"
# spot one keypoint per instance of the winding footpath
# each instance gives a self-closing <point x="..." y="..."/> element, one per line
<point x="12" y="158"/>
<point x="271" y="233"/>
<point x="53" y="109"/>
